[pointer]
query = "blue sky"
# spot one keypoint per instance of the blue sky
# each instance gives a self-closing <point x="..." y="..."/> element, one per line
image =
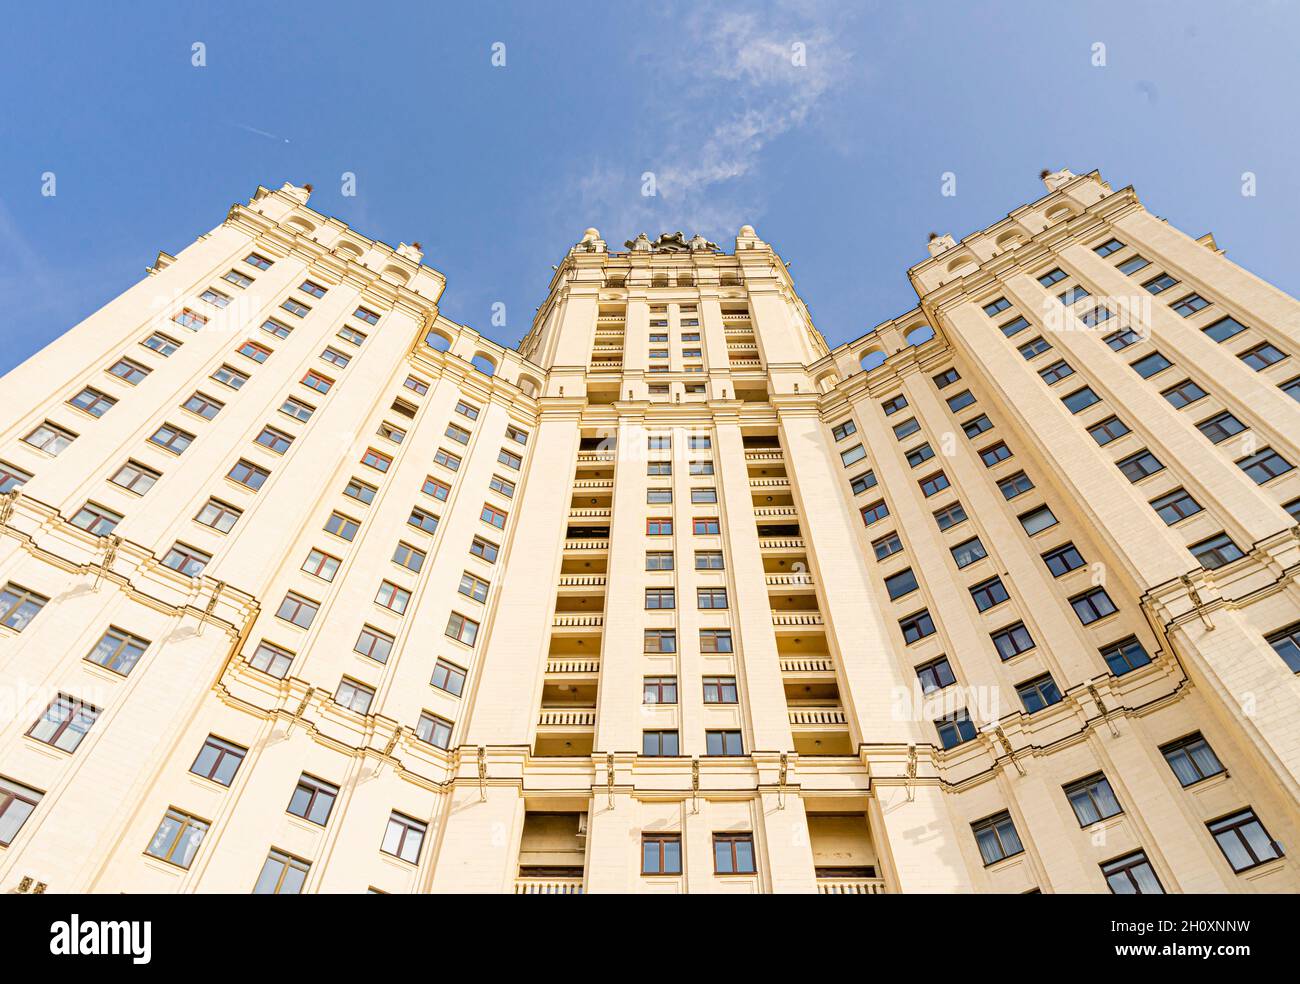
<point x="838" y="161"/>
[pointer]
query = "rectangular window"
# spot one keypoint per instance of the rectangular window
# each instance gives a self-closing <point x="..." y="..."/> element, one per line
<point x="900" y="584"/>
<point x="510" y="459"/>
<point x="219" y="515"/>
<point x="1220" y="427"/>
<point x="18" y="606"/>
<point x="968" y="552"/>
<point x="366" y="315"/>
<point x="701" y="468"/>
<point x="1072" y="296"/>
<point x="708" y="560"/>
<point x="1183" y="394"/>
<point x="129" y="371"/>
<point x="1243" y="840"/>
<point x="860" y="483"/>
<point x="660" y="598"/>
<point x="1038" y="693"/>
<point x="249" y="475"/>
<point x="893" y="404"/>
<point x="933" y="484"/>
<point x="190" y="319"/>
<point x="177" y="838"/>
<point x="658" y="497"/>
<point x="1012" y="641"/>
<point x="994" y="307"/>
<point x="64" y="723"/>
<point x="350" y="334"/>
<point x="1093" y="605"/>
<point x="405" y="555"/>
<point x="274" y="440"/>
<point x="1014" y="485"/>
<point x="218" y="760"/>
<point x="877" y="510"/>
<point x="1131" y="875"/>
<point x="12" y="477"/>
<point x="92" y="401"/>
<point x="462" y="629"/>
<point x="733" y="854"/>
<point x="660" y="641"/>
<point x="296" y="308"/>
<point x="907" y="428"/>
<point x="997" y="838"/>
<point x="1149" y="365"/>
<point x="403" y="837"/>
<point x="17" y="803"/>
<point x="298" y="609"/>
<point x="312" y="288"/>
<point x="935" y="675"/>
<point x="96" y="519"/>
<point x="484" y="549"/>
<point x="705" y="526"/>
<point x="946" y="378"/>
<point x="659" y="560"/>
<point x="425" y="522"/>
<point x="989" y="593"/>
<point x="458" y="434"/>
<point x="473" y="587"/>
<point x="1092" y="799"/>
<point x="434" y="729"/>
<point x="704" y="496"/>
<point x="493" y="516"/>
<point x="995" y="453"/>
<point x="448" y="460"/>
<point x="1160" y="284"/>
<point x="955" y="729"/>
<point x="723" y="743"/>
<point x="391" y="432"/>
<point x="853" y="455"/>
<point x="1122" y="339"/>
<point x="271" y="659"/>
<point x="257" y="260"/>
<point x="1189" y="305"/>
<point x="721" y="690"/>
<point x="1216" y="551"/>
<point x="297" y="409"/>
<point x="950" y="516"/>
<point x="1133" y="265"/>
<point x="230" y="376"/>
<point x="920" y="455"/>
<point x="1110" y="429"/>
<point x="1108" y="247"/>
<point x="1014" y="327"/>
<point x="659" y="743"/>
<point x="376" y="460"/>
<point x="916" y="627"/>
<point x="661" y="854"/>
<point x="186" y="560"/>
<point x="715" y="641"/>
<point x="313" y="799"/>
<point x="1080" y="399"/>
<point x="373" y="644"/>
<point x="659" y="690"/>
<point x="282" y="874"/>
<point x="1125" y="655"/>
<point x="1063" y="559"/>
<point x="363" y="492"/>
<point x="1192" y="759"/>
<point x="354" y="695"/>
<point x="842" y="430"/>
<point x="1264" y="466"/>
<point x="711" y="597"/>
<point x="1037" y="520"/>
<point x="449" y="677"/>
<point x="1223" y="329"/>
<point x="50" y="438"/>
<point x="1053" y="276"/>
<point x="1139" y="465"/>
<point x="393" y="597"/>
<point x="344" y="527"/>
<point x="417" y="386"/>
<point x="659" y="468"/>
<point x="316" y="381"/>
<point x="117" y="650"/>
<point x="960" y="401"/>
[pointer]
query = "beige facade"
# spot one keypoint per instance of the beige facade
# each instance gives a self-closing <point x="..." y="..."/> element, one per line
<point x="308" y="588"/>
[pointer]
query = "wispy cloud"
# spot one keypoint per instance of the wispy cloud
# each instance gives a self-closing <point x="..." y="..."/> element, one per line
<point x="740" y="80"/>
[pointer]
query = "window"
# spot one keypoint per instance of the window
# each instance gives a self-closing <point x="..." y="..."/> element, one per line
<point x="661" y="854"/>
<point x="116" y="650"/>
<point x="852" y="455"/>
<point x="950" y="516"/>
<point x="1285" y="642"/>
<point x="417" y="386"/>
<point x="17" y="803"/>
<point x="1264" y="465"/>
<point x="366" y="315"/>
<point x="1122" y="339"/>
<point x="1220" y="427"/>
<point x="893" y="404"/>
<point x="1190" y="304"/>
<point x="1139" y="465"/>
<point x="946" y="378"/>
<point x="509" y="459"/>
<point x="1092" y="799"/>
<point x="877" y="510"/>
<point x="699" y="442"/>
<point x="313" y="799"/>
<point x="1056" y="372"/>
<point x="282" y="874"/>
<point x="704" y="496"/>
<point x="391" y="432"/>
<point x="711" y="597"/>
<point x="659" y="442"/>
<point x="660" y="598"/>
<point x="1035" y="347"/>
<point x="171" y="438"/>
<point x="393" y="597"/>
<point x="354" y="695"/>
<point x="659" y="468"/>
<point x="1110" y="429"/>
<point x="715" y="641"/>
<point x="723" y="743"/>
<point x="403" y="837"/>
<point x="997" y="837"/>
<point x="955" y="728"/>
<point x="1055" y="275"/>
<point x="373" y="644"/>
<point x="462" y="629"/>
<point x="1014" y="327"/>
<point x="1063" y="559"/>
<point x="1080" y="399"/>
<point x="251" y="350"/>
<point x="993" y="307"/>
<point x="1160" y="284"/>
<point x="1133" y="265"/>
<point x="968" y="552"/>
<point x="658" y="497"/>
<point x="916" y="627"/>
<point x="887" y="546"/>
<point x="842" y="430"/>
<point x="1223" y="329"/>
<point x="350" y="334"/>
<point x="1038" y="693"/>
<point x="493" y="516"/>
<point x="449" y="677"/>
<point x="1131" y="875"/>
<point x="405" y="555"/>
<point x="64" y="723"/>
<point x="135" y="477"/>
<point x="433" y="729"/>
<point x="733" y="854"/>
<point x="1093" y="605"/>
<point x="296" y="308"/>
<point x="216" y="298"/>
<point x="659" y="560"/>
<point x="13" y="477"/>
<point x="659" y="743"/>
<point x="458" y="434"/>
<point x="705" y="526"/>
<point x="1243" y="840"/>
<point x="312" y="288"/>
<point x="186" y="560"/>
<point x="989" y="594"/>
<point x="297" y="409"/>
<point x="1072" y="296"/>
<point x="1183" y="394"/>
<point x="190" y="319"/>
<point x="935" y="675"/>
<point x="218" y="760"/>
<point x="995" y="453"/>
<point x="473" y="587"/>
<point x="700" y="467"/>
<point x="1149" y="365"/>
<point x="248" y="474"/>
<point x="933" y="484"/>
<point x="1037" y="520"/>
<point x="274" y="440"/>
<point x="257" y="260"/>
<point x="298" y="609"/>
<point x="50" y="438"/>
<point x="425" y="522"/>
<point x="1013" y="640"/>
<point x="1125" y="655"/>
<point x="860" y="483"/>
<point x="659" y="690"/>
<point x="1108" y="247"/>
<point x="376" y="460"/>
<point x="919" y="455"/>
<point x="316" y="381"/>
<point x="271" y="659"/>
<point x="900" y="584"/>
<point x="660" y="641"/>
<point x="344" y="527"/>
<point x="1216" y="551"/>
<point x="976" y="426"/>
<point x="1014" y="485"/>
<point x="1096" y="316"/>
<point x="96" y="519"/>
<point x="484" y="549"/>
<point x="229" y="376"/>
<point x="363" y="492"/>
<point x="177" y="839"/>
<point x="92" y="401"/>
<point x="906" y="428"/>
<point x="219" y="515"/>
<point x="721" y="690"/>
<point x="1192" y="759"/>
<point x="129" y="371"/>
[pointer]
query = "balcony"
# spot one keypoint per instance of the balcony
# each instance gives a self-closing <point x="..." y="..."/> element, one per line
<point x="803" y="580"/>
<point x="745" y="363"/>
<point x="593" y="484"/>
<point x="813" y="668"/>
<point x="564" y="620"/>
<point x="764" y="454"/>
<point x="774" y="544"/>
<point x="573" y="667"/>
<point x="818" y="717"/>
<point x="588" y="512"/>
<point x="850" y="886"/>
<point x="776" y="512"/>
<point x="567" y="718"/>
<point x="584" y="543"/>
<point x="582" y="580"/>
<point x="781" y="484"/>
<point x="548" y="886"/>
<point x="796" y="620"/>
<point x="592" y="457"/>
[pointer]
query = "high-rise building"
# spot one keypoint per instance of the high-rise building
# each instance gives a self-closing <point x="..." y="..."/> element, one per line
<point x="306" y="588"/>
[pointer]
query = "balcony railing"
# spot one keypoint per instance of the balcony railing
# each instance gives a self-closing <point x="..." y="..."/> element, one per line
<point x="582" y="580"/>
<point x="596" y="484"/>
<point x="578" y="717"/>
<point x="548" y="886"/>
<point x="760" y="454"/>
<point x="607" y="366"/>
<point x="577" y="621"/>
<point x="582" y="543"/>
<point x="745" y="363"/>
<point x="592" y="457"/>
<point x="777" y="484"/>
<point x="575" y="665"/>
<point x="788" y="580"/>
<point x="780" y="543"/>
<point x="776" y="512"/>
<point x="802" y="618"/>
<point x="818" y="716"/>
<point x="807" y="664"/>
<point x="850" y="886"/>
<point x="591" y="512"/>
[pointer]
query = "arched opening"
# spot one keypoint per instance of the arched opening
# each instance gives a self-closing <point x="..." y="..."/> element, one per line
<point x="484" y="364"/>
<point x="827" y="381"/>
<point x="530" y="385"/>
<point x="872" y="359"/>
<point x="437" y="341"/>
<point x="919" y="335"/>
